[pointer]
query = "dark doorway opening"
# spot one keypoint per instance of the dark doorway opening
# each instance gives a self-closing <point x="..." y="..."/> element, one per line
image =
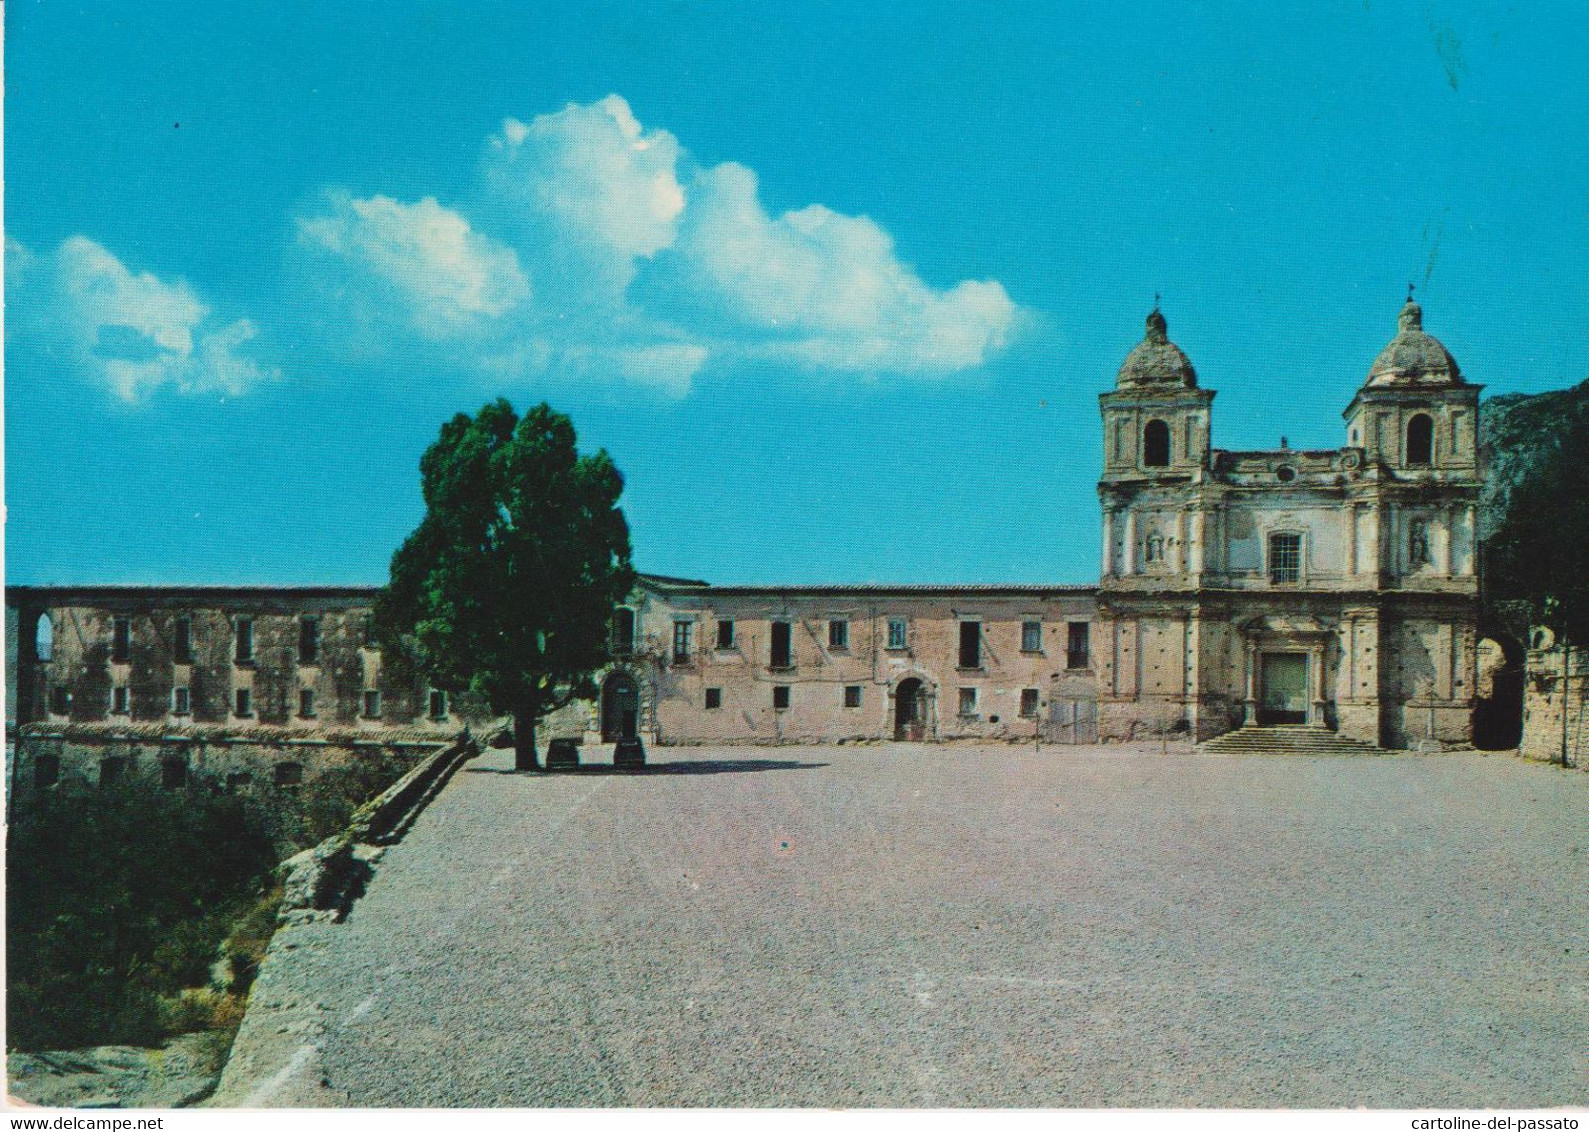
<point x="1285" y="689"/>
<point x="910" y="710"/>
<point x="620" y="708"/>
<point x="1498" y="708"/>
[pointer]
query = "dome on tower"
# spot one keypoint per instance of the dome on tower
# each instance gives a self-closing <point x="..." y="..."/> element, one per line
<point x="1156" y="360"/>
<point x="1414" y="357"/>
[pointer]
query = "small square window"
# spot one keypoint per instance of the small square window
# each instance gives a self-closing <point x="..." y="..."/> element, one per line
<point x="238" y="780"/>
<point x="372" y="704"/>
<point x="181" y="700"/>
<point x="852" y="695"/>
<point x="714" y="699"/>
<point x="968" y="701"/>
<point x="780" y="696"/>
<point x="121" y="639"/>
<point x="174" y="774"/>
<point x="438" y="704"/>
<point x="1031" y="636"/>
<point x="288" y="774"/>
<point x="838" y="635"/>
<point x="118" y="700"/>
<point x="60" y="700"/>
<point x="306" y="703"/>
<point x="244" y="703"/>
<point x="111" y="770"/>
<point x="896" y="633"/>
<point x="725" y="634"/>
<point x="1029" y="703"/>
<point x="683" y="640"/>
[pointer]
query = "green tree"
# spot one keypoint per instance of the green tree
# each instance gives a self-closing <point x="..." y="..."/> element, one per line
<point x="507" y="588"/>
<point x="1535" y="556"/>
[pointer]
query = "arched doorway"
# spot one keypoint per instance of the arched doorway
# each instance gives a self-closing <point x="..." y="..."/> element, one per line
<point x="1498" y="703"/>
<point x="910" y="710"/>
<point x="620" y="708"/>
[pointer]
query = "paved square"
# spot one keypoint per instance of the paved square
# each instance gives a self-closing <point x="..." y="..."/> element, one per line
<point x="916" y="925"/>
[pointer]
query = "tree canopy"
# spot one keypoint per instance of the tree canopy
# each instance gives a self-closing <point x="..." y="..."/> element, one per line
<point x="507" y="588"/>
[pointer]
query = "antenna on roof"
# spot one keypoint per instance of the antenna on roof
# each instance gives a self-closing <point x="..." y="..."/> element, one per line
<point x="1409" y="292"/>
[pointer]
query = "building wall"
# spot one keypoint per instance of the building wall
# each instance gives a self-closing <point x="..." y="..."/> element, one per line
<point x="1556" y="702"/>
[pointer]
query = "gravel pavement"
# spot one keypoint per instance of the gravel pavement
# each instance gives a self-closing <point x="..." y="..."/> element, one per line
<point x="903" y="925"/>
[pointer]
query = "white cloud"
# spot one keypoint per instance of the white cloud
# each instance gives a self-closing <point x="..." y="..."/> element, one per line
<point x="444" y="277"/>
<point x="647" y="267"/>
<point x="132" y="331"/>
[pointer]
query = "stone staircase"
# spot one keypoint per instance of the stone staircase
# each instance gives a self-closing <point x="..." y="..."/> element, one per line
<point x="1285" y="740"/>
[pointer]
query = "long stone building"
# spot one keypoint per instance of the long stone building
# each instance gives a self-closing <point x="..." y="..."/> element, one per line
<point x="1335" y="590"/>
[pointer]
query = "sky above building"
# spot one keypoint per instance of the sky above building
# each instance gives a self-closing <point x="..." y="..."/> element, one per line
<point x="836" y="285"/>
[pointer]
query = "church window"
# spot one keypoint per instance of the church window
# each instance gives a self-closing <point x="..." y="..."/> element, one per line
<point x="245" y="703"/>
<point x="309" y="640"/>
<point x="121" y="639"/>
<point x="782" y="646"/>
<point x="970" y="644"/>
<point x="838" y="635"/>
<point x="1028" y="703"/>
<point x="725" y="634"/>
<point x="182" y="648"/>
<point x="1076" y="645"/>
<point x="1420" y="441"/>
<point x="306" y="703"/>
<point x="243" y="641"/>
<point x="683" y="632"/>
<point x="1156" y="445"/>
<point x="118" y="700"/>
<point x="181" y="700"/>
<point x="372" y="704"/>
<point x="1031" y="636"/>
<point x="896" y="633"/>
<point x="968" y="701"/>
<point x="1153" y="548"/>
<point x="1285" y="558"/>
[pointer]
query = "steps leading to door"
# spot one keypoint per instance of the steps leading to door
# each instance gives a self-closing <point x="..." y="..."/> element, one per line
<point x="1285" y="740"/>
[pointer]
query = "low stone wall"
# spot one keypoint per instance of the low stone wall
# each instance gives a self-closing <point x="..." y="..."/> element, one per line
<point x="1556" y="703"/>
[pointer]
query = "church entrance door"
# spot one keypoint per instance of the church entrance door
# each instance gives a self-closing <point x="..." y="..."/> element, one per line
<point x="1285" y="689"/>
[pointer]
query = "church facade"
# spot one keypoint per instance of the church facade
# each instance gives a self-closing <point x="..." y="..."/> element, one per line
<point x="1332" y="590"/>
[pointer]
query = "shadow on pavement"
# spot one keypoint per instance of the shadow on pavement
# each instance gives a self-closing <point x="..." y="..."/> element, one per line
<point x="705" y="766"/>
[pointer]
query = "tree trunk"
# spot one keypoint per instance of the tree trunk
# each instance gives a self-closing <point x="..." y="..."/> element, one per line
<point x="524" y="757"/>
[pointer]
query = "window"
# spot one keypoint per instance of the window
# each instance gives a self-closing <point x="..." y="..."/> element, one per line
<point x="308" y="640"/>
<point x="1029" y="703"/>
<point x="1076" y="645"/>
<point x="782" y="646"/>
<point x="1285" y="558"/>
<point x="1031" y="636"/>
<point x="245" y="703"/>
<point x="173" y="774"/>
<point x="306" y="703"/>
<point x="46" y="771"/>
<point x="372" y="704"/>
<point x="970" y="644"/>
<point x="238" y="780"/>
<point x="623" y="630"/>
<point x="683" y="631"/>
<point x="1417" y="543"/>
<point x="44" y="638"/>
<point x="60" y="700"/>
<point x="182" y="650"/>
<point x="838" y="635"/>
<point x="725" y="634"/>
<point x="714" y="699"/>
<point x="1156" y="445"/>
<point x="438" y="704"/>
<point x="121" y="639"/>
<point x="181" y="700"/>
<point x="852" y="695"/>
<point x="111" y="770"/>
<point x="780" y="696"/>
<point x="289" y="774"/>
<point x="1420" y="441"/>
<point x="243" y="640"/>
<point x="118" y="700"/>
<point x="1153" y="548"/>
<point x="968" y="701"/>
<point x="896" y="633"/>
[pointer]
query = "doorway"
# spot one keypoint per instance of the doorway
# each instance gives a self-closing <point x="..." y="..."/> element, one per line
<point x="1285" y="689"/>
<point x="620" y="708"/>
<point x="910" y="710"/>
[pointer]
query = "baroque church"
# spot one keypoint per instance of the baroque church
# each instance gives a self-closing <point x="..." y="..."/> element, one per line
<point x="1332" y="593"/>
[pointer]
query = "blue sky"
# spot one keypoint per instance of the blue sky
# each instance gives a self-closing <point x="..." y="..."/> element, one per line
<point x="837" y="285"/>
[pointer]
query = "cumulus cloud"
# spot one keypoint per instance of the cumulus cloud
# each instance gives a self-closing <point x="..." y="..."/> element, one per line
<point x="648" y="266"/>
<point x="133" y="332"/>
<point x="444" y="278"/>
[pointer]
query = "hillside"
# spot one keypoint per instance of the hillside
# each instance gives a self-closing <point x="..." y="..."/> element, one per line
<point x="1518" y="432"/>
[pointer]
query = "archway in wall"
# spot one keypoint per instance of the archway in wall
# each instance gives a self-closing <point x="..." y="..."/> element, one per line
<point x="620" y="708"/>
<point x="1498" y="707"/>
<point x="910" y="710"/>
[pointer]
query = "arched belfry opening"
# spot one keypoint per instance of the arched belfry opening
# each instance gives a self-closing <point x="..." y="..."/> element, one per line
<point x="1421" y="440"/>
<point x="1156" y="445"/>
